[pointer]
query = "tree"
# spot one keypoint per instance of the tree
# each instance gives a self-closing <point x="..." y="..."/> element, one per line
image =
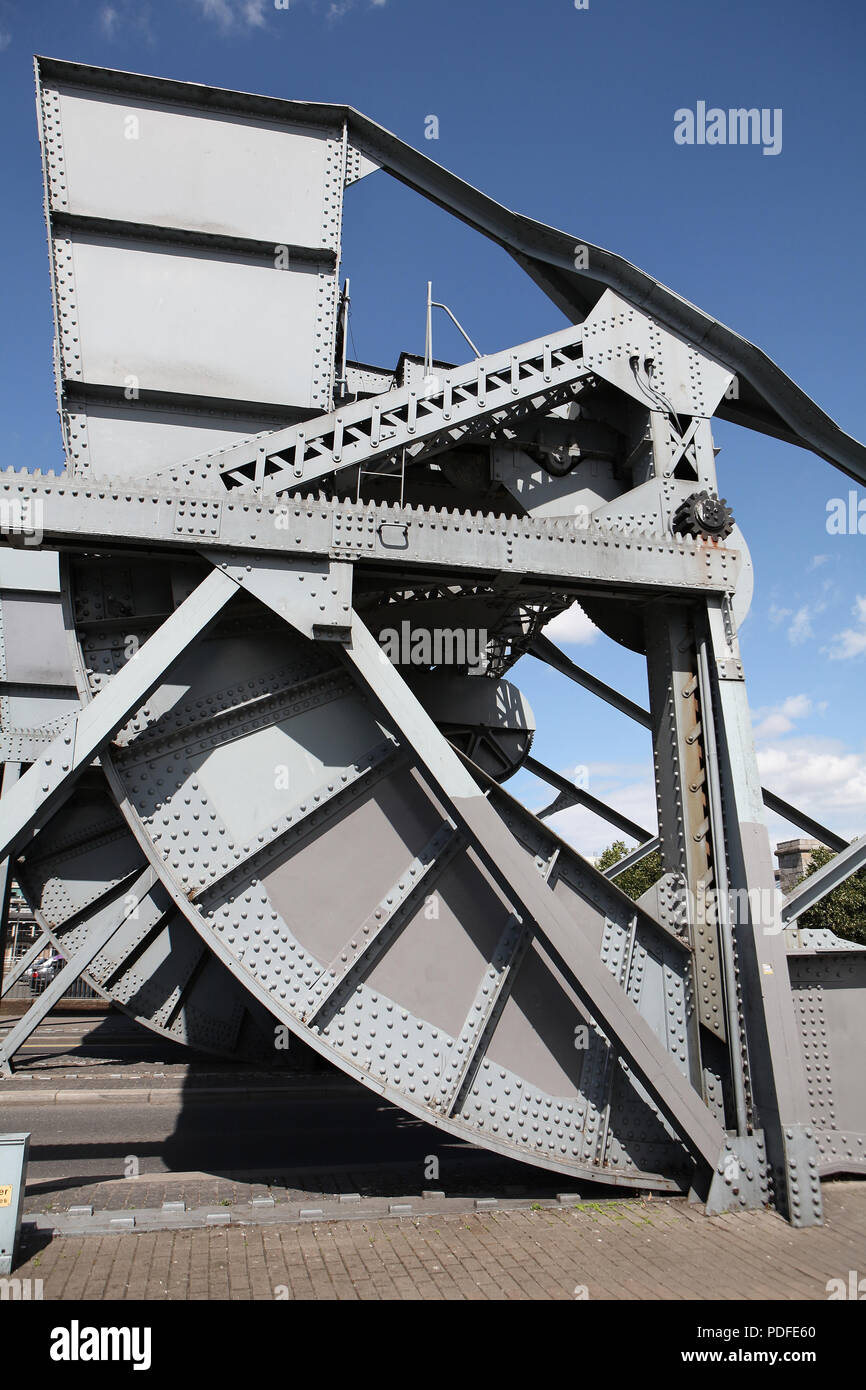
<point x="844" y="910"/>
<point x="636" y="880"/>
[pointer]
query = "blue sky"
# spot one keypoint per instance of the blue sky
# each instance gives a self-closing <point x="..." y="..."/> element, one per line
<point x="567" y="115"/>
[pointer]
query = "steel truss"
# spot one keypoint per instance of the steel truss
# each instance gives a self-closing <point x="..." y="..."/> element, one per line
<point x="240" y="815"/>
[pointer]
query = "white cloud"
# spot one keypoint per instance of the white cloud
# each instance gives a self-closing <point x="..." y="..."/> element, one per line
<point x="572" y="627"/>
<point x="233" y="16"/>
<point x="125" y="18"/>
<point x="799" y="622"/>
<point x="817" y="561"/>
<point x="848" y="644"/>
<point x="820" y="776"/>
<point x="5" y="39"/>
<point x="220" y="12"/>
<point x="851" y="641"/>
<point x="338" y="8"/>
<point x="779" y="719"/>
<point x="801" y="629"/>
<point x="628" y="787"/>
<point x="229" y="15"/>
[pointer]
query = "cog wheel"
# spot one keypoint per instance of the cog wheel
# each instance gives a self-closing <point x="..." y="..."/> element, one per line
<point x="703" y="514"/>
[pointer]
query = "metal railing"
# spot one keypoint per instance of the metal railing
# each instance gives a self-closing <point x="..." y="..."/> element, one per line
<point x="27" y="988"/>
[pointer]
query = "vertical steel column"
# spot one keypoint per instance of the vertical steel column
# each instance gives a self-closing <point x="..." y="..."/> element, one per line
<point x="777" y="1071"/>
<point x="11" y="773"/>
<point x="722" y="900"/>
<point x="691" y="830"/>
<point x="681" y="794"/>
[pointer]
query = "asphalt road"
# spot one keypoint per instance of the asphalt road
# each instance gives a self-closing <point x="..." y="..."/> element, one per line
<point x="327" y="1121"/>
<point x="276" y="1134"/>
<point x="319" y="1120"/>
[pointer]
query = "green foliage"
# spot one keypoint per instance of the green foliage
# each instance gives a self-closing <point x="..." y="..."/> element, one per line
<point x="636" y="880"/>
<point x="844" y="910"/>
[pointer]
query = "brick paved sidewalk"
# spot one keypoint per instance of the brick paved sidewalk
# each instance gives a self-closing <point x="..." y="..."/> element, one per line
<point x="621" y="1250"/>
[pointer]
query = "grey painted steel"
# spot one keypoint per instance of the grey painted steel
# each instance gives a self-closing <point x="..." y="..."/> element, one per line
<point x="194" y="269"/>
<point x="73" y="868"/>
<point x="14" y="1152"/>
<point x="828" y="985"/>
<point x="802" y="821"/>
<point x="776" y="1066"/>
<point x="769" y="400"/>
<point x="21" y="966"/>
<point x="823" y="881"/>
<point x="74" y="871"/>
<point x="287" y="855"/>
<point x="549" y="653"/>
<point x="321" y="856"/>
<point x="437" y="415"/>
<point x="52" y="778"/>
<point x="10" y="774"/>
<point x="482" y="545"/>
<point x="741" y="1175"/>
<point x="570" y="795"/>
<point x="722" y="888"/>
<point x="559" y="864"/>
<point x="650" y="1062"/>
<point x="680" y="758"/>
<point x="629" y="860"/>
<point x="72" y="970"/>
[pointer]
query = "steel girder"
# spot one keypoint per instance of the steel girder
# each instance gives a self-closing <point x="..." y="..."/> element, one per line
<point x="768" y="399"/>
<point x="306" y="917"/>
<point x="251" y="734"/>
<point x="77" y="873"/>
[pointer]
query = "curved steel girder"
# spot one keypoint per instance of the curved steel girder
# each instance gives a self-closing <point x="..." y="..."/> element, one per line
<point x="75" y="872"/>
<point x="275" y="901"/>
<point x="769" y="400"/>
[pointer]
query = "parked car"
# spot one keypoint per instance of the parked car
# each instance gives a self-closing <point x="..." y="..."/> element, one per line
<point x="45" y="970"/>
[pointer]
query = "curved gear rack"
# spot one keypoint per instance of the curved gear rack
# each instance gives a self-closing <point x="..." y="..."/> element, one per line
<point x="257" y="712"/>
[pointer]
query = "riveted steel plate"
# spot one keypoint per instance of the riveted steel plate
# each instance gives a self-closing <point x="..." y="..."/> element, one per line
<point x="138" y="160"/>
<point x="194" y="258"/>
<point x="634" y="353"/>
<point x="316" y="862"/>
<point x="828" y="984"/>
<point x="76" y="873"/>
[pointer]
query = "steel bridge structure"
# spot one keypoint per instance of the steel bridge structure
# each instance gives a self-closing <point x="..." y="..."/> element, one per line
<point x="234" y="810"/>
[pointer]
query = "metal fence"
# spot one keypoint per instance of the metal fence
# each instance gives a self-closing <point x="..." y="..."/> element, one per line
<point x="27" y="988"/>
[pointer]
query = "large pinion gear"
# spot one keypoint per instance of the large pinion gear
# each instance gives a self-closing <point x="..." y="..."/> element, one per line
<point x="703" y="514"/>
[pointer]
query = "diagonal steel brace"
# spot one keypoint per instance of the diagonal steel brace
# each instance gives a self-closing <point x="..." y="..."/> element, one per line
<point x="49" y="781"/>
<point x="651" y="1063"/>
<point x="84" y="956"/>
